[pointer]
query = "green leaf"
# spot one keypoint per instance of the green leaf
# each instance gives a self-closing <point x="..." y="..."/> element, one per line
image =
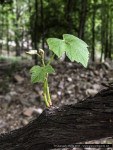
<point x="49" y="69"/>
<point x="38" y="74"/>
<point x="75" y="48"/>
<point x="57" y="46"/>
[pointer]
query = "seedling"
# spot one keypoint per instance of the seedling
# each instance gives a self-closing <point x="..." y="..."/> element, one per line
<point x="74" y="48"/>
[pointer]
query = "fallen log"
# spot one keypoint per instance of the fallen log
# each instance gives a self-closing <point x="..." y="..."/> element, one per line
<point x="90" y="119"/>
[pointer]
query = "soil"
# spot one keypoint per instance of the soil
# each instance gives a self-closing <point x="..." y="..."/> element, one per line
<point x="21" y="101"/>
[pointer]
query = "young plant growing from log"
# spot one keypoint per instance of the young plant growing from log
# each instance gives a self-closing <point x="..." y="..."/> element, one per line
<point x="74" y="48"/>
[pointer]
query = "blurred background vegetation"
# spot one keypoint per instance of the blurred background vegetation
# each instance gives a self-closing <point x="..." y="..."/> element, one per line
<point x="26" y="25"/>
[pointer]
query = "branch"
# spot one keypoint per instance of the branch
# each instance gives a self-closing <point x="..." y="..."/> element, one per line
<point x="88" y="120"/>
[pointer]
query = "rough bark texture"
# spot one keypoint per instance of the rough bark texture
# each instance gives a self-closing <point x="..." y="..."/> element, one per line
<point x="87" y="120"/>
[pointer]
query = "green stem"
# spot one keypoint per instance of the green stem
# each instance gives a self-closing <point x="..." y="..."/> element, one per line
<point x="51" y="59"/>
<point x="43" y="63"/>
<point x="38" y="55"/>
<point x="47" y="92"/>
<point x="45" y="95"/>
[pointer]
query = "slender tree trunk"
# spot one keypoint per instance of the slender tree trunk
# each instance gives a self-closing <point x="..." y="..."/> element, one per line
<point x="35" y="25"/>
<point x="68" y="15"/>
<point x="18" y="52"/>
<point x="83" y="14"/>
<point x="22" y="40"/>
<point x="2" y="15"/>
<point x="42" y="22"/>
<point x="110" y="39"/>
<point x="93" y="31"/>
<point x="102" y="46"/>
<point x="102" y="42"/>
<point x="110" y="33"/>
<point x="29" y="37"/>
<point x="35" y="30"/>
<point x="103" y="18"/>
<point x="7" y="23"/>
<point x="106" y="38"/>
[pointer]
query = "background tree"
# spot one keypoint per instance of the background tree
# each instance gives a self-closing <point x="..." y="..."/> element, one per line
<point x="26" y="24"/>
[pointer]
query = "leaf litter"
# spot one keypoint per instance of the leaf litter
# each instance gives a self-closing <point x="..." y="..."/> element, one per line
<point x="20" y="102"/>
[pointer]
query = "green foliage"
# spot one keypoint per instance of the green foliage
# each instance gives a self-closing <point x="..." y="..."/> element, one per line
<point x="34" y="21"/>
<point x="75" y="49"/>
<point x="38" y="74"/>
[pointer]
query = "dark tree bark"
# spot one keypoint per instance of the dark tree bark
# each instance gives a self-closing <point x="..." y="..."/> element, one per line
<point x="103" y="31"/>
<point x="110" y="35"/>
<point x="35" y="25"/>
<point x="106" y="27"/>
<point x="93" y="31"/>
<point x="42" y="22"/>
<point x="103" y="18"/>
<point x="2" y="30"/>
<point x="83" y="13"/>
<point x="68" y="15"/>
<point x="18" y="51"/>
<point x="7" y="23"/>
<point x="35" y="19"/>
<point x="110" y="38"/>
<point x="106" y="38"/>
<point x="102" y="39"/>
<point x="87" y="120"/>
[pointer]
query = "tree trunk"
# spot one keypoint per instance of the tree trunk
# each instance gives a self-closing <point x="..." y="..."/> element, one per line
<point x="7" y="34"/>
<point x="18" y="51"/>
<point x="103" y="18"/>
<point x="83" y="13"/>
<point x="35" y="34"/>
<point x="68" y="15"/>
<point x="42" y="23"/>
<point x="110" y="39"/>
<point x="106" y="38"/>
<point x="2" y="30"/>
<point x="87" y="120"/>
<point x="93" y="31"/>
<point x="110" y="32"/>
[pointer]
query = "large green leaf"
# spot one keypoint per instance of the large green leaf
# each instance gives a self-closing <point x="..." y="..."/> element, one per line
<point x="57" y="46"/>
<point x="38" y="73"/>
<point x="75" y="48"/>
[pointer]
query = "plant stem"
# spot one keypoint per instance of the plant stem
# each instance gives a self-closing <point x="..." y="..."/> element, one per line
<point x="51" y="59"/>
<point x="46" y="92"/>
<point x="38" y="55"/>
<point x="43" y="63"/>
<point x="45" y="96"/>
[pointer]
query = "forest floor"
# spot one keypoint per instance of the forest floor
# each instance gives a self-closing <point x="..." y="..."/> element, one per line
<point x="21" y="101"/>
